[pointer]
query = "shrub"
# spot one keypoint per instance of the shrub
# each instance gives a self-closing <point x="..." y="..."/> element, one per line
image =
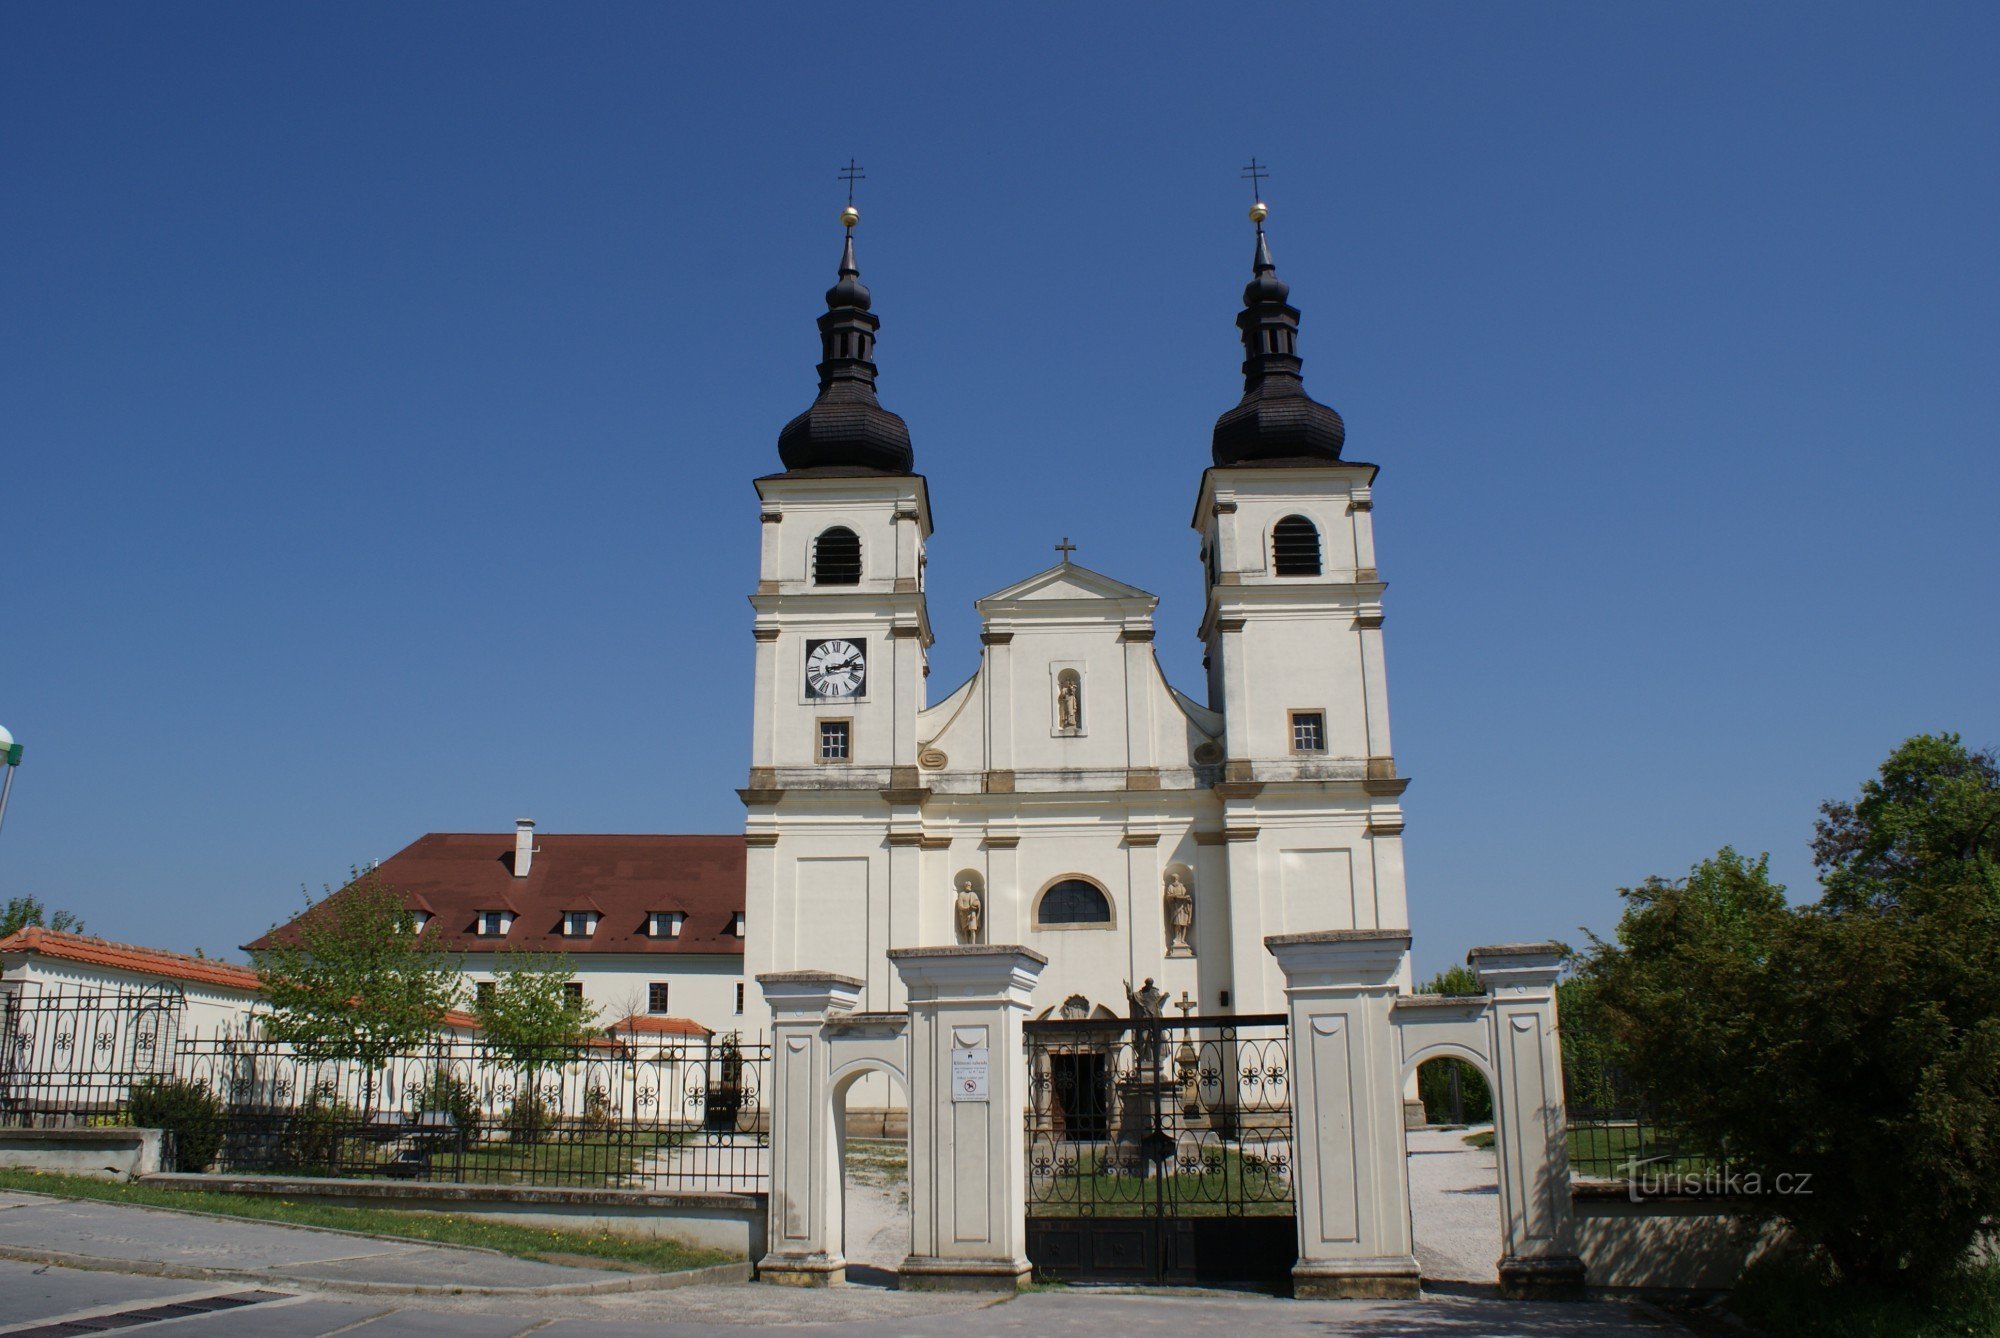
<point x="310" y="1138"/>
<point x="447" y="1092"/>
<point x="1475" y="1099"/>
<point x="188" y="1111"/>
<point x="528" y="1117"/>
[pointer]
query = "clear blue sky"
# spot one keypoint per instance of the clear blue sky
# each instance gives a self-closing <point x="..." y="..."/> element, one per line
<point x="383" y="384"/>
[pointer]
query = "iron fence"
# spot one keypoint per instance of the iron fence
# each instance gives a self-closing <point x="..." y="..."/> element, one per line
<point x="1615" y="1134"/>
<point x="628" y="1113"/>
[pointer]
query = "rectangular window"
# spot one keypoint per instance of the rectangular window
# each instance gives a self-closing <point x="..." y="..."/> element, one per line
<point x="483" y="991"/>
<point x="739" y="996"/>
<point x="577" y="924"/>
<point x="1308" y="731"/>
<point x="573" y="991"/>
<point x="736" y="925"/>
<point x="492" y="924"/>
<point x="665" y="924"/>
<point x="656" y="997"/>
<point x="835" y="739"/>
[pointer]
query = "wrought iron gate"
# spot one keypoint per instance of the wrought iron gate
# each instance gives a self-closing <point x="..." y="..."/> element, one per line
<point x="1159" y="1150"/>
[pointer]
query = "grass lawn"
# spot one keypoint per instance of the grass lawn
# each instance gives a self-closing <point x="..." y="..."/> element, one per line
<point x="634" y="1253"/>
<point x="1228" y="1184"/>
<point x="1783" y="1298"/>
<point x="1604" y="1150"/>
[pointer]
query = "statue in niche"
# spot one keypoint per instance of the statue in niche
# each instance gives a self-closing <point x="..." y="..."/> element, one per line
<point x="1069" y="702"/>
<point x="967" y="911"/>
<point x="1180" y="916"/>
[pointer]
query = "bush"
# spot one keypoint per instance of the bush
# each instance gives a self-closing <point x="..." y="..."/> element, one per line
<point x="448" y="1092"/>
<point x="1475" y="1099"/>
<point x="528" y="1117"/>
<point x="188" y="1111"/>
<point x="310" y="1139"/>
<point x="1789" y="1295"/>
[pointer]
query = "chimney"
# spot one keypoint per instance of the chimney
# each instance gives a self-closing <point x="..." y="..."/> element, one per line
<point x="524" y="846"/>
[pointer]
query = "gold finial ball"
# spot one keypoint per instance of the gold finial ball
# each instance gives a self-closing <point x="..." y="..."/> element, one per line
<point x="849" y="216"/>
<point x="1258" y="213"/>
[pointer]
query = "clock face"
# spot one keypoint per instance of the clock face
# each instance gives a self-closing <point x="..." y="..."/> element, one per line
<point x="836" y="668"/>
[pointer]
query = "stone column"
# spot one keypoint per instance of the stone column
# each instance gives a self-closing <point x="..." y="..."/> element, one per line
<point x="1350" y="1179"/>
<point x="804" y="1244"/>
<point x="968" y="1177"/>
<point x="1530" y="1125"/>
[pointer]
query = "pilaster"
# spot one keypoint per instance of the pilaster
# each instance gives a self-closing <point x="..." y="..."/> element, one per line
<point x="804" y="1248"/>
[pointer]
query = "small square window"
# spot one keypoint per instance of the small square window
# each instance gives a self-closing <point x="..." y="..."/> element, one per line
<point x="835" y="740"/>
<point x="573" y="993"/>
<point x="483" y="991"/>
<point x="656" y="997"/>
<point x="1308" y="731"/>
<point x="577" y="924"/>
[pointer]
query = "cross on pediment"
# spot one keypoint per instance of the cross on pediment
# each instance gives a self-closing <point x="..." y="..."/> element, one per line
<point x="1065" y="548"/>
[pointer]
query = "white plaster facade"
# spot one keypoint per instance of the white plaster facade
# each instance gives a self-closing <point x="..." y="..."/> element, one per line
<point x="849" y="859"/>
<point x="704" y="989"/>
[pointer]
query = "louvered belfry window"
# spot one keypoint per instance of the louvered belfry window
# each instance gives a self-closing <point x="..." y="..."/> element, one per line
<point x="1295" y="547"/>
<point x="837" y="557"/>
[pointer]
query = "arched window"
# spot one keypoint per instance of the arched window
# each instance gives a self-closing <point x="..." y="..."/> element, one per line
<point x="1073" y="902"/>
<point x="837" y="557"/>
<point x="1295" y="547"/>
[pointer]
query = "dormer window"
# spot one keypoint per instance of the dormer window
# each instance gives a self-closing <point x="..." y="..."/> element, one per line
<point x="837" y="557"/>
<point x="579" y="924"/>
<point x="736" y="925"/>
<point x="664" y="924"/>
<point x="420" y="919"/>
<point x="495" y="924"/>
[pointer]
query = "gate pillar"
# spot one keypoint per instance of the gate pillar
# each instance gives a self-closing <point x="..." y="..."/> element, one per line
<point x="1350" y="1180"/>
<point x="1530" y="1124"/>
<point x="968" y="1092"/>
<point x="804" y="1246"/>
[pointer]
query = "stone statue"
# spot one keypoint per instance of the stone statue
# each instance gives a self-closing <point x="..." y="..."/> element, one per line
<point x="967" y="911"/>
<point x="1069" y="704"/>
<point x="1180" y="917"/>
<point x="1149" y="1000"/>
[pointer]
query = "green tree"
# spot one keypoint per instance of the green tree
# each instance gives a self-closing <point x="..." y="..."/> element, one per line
<point x="352" y="979"/>
<point x="20" y="912"/>
<point x="1854" y="1042"/>
<point x="1453" y="980"/>
<point x="1468" y="1100"/>
<point x="531" y="1009"/>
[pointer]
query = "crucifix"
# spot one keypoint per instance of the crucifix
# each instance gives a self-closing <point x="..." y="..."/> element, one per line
<point x="1065" y="548"/>
<point x="851" y="174"/>
<point x="1256" y="174"/>
<point x="1185" y="1004"/>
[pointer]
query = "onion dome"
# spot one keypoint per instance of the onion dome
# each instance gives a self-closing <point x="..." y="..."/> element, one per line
<point x="1276" y="422"/>
<point x="846" y="428"/>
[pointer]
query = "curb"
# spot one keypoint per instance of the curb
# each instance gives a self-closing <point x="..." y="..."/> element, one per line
<point x="636" y="1282"/>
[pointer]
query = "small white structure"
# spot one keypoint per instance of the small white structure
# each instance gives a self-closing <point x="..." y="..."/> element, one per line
<point x="217" y="998"/>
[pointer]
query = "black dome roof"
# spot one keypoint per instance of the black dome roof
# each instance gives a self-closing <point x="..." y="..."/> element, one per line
<point x="846" y="427"/>
<point x="1275" y="422"/>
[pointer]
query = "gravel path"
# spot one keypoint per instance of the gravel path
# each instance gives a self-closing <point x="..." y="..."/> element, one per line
<point x="1454" y="1207"/>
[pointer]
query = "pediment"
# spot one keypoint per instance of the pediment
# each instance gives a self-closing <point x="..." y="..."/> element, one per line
<point x="1067" y="581"/>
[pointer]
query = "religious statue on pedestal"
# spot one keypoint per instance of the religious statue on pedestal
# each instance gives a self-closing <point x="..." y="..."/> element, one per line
<point x="1069" y="703"/>
<point x="1180" y="916"/>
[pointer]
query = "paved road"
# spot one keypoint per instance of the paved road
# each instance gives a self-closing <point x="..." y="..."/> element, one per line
<point x="283" y="1276"/>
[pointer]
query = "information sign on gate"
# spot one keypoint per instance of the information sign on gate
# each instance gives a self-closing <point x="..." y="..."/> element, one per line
<point x="968" y="1073"/>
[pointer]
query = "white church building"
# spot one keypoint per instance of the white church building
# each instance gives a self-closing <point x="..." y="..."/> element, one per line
<point x="1067" y="797"/>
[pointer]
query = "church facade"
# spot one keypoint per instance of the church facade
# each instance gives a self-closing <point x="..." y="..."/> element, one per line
<point x="1068" y="797"/>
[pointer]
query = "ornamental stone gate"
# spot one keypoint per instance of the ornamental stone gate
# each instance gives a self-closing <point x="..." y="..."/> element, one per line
<point x="1352" y="1043"/>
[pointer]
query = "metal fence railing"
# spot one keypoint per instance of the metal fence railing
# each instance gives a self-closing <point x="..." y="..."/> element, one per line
<point x="1614" y="1134"/>
<point x="658" y="1113"/>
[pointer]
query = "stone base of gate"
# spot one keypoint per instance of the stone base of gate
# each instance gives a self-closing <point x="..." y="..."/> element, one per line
<point x="1356" y="1280"/>
<point x="802" y="1271"/>
<point x="923" y="1274"/>
<point x="1560" y="1278"/>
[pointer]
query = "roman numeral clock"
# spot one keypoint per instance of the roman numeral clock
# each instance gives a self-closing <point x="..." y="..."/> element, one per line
<point x="836" y="668"/>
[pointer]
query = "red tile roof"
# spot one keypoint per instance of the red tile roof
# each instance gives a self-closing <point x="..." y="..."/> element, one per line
<point x="125" y="957"/>
<point x="648" y="1024"/>
<point x="456" y="875"/>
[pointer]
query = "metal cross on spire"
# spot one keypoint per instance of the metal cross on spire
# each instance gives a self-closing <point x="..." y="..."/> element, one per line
<point x="1256" y="174"/>
<point x="851" y="174"/>
<point x="1065" y="548"/>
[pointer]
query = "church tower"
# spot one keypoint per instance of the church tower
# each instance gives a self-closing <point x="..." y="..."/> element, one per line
<point x="1292" y="625"/>
<point x="842" y="635"/>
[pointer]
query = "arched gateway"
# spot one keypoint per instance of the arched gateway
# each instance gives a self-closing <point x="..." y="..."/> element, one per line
<point x="1353" y="1038"/>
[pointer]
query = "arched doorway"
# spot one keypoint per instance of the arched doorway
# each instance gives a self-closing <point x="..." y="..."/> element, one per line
<point x="873" y="1206"/>
<point x="1454" y="1175"/>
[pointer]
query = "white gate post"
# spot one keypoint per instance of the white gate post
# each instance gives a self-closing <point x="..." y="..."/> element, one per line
<point x="1530" y="1125"/>
<point x="968" y="1095"/>
<point x="1350" y="1181"/>
<point x="805" y="1223"/>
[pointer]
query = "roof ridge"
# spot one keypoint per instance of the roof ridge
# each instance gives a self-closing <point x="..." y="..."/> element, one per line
<point x="32" y="935"/>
